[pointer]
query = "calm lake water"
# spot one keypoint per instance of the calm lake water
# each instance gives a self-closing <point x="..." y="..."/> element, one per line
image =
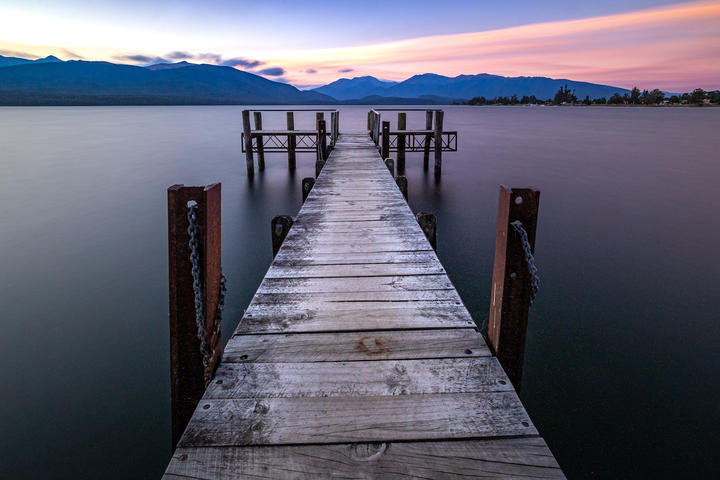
<point x="622" y="363"/>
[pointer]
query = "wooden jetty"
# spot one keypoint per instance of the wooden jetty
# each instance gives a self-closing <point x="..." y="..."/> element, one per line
<point x="356" y="357"/>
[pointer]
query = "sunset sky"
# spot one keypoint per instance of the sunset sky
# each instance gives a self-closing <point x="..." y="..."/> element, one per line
<point x="650" y="43"/>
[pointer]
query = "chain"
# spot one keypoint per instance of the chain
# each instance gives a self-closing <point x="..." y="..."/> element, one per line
<point x="529" y="259"/>
<point x="197" y="288"/>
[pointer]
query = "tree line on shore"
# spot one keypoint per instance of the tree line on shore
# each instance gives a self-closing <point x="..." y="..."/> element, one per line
<point x="565" y="96"/>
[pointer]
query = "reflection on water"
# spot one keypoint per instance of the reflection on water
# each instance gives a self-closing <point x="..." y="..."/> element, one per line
<point x="622" y="361"/>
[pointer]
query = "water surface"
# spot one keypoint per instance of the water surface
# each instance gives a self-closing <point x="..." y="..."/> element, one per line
<point x="622" y="357"/>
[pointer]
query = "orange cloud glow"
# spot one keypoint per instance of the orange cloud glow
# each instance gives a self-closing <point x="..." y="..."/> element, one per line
<point x="674" y="48"/>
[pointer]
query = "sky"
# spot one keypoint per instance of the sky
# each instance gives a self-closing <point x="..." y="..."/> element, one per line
<point x="649" y="43"/>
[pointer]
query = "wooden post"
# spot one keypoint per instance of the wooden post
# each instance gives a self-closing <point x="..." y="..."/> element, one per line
<point x="428" y="126"/>
<point x="332" y="129"/>
<point x="292" y="140"/>
<point x="247" y="137"/>
<point x="402" y="125"/>
<point x="318" y="117"/>
<point x="188" y="378"/>
<point x="402" y="184"/>
<point x="390" y="164"/>
<point x="428" y="223"/>
<point x="307" y="185"/>
<point x="438" y="142"/>
<point x="378" y="126"/>
<point x="385" y="151"/>
<point x="259" y="141"/>
<point x="279" y="228"/>
<point x="511" y="285"/>
<point x="369" y="122"/>
<point x="322" y="132"/>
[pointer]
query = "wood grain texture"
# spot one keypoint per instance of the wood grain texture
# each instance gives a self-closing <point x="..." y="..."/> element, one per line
<point x="516" y="458"/>
<point x="382" y="418"/>
<point x="356" y="346"/>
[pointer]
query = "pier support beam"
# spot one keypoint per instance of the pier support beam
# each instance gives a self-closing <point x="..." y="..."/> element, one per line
<point x="279" y="228"/>
<point x="321" y="147"/>
<point x="259" y="141"/>
<point x="438" y="142"/>
<point x="247" y="137"/>
<point x="188" y="376"/>
<point x="402" y="125"/>
<point x="390" y="164"/>
<point x="402" y="184"/>
<point x="428" y="223"/>
<point x="307" y="185"/>
<point x="292" y="140"/>
<point x="385" y="148"/>
<point x="428" y="138"/>
<point x="511" y="284"/>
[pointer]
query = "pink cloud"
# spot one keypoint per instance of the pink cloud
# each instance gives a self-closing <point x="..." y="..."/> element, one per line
<point x="675" y="48"/>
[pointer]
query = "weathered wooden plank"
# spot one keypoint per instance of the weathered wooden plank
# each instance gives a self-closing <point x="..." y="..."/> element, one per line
<point x="355" y="346"/>
<point x="379" y="418"/>
<point x="516" y="458"/>
<point x="354" y="270"/>
<point x="355" y="284"/>
<point x="344" y="316"/>
<point x="357" y="378"/>
<point x="296" y="257"/>
<point x="321" y="300"/>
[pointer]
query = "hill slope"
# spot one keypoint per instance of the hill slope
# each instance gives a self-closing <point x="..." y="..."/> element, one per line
<point x="353" y="88"/>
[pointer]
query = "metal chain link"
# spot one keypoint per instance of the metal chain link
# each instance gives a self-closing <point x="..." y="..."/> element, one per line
<point x="529" y="259"/>
<point x="193" y="232"/>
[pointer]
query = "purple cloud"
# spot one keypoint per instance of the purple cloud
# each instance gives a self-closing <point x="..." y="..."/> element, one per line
<point x="310" y="71"/>
<point x="241" y="62"/>
<point x="139" y="58"/>
<point x="179" y="56"/>
<point x="345" y="70"/>
<point x="272" y="71"/>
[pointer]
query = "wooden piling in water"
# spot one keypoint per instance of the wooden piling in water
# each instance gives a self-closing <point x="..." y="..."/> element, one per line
<point x="428" y="223"/>
<point x="385" y="148"/>
<point x="319" y="116"/>
<point x="511" y="294"/>
<point x="279" y="228"/>
<point x="402" y="125"/>
<point x="307" y="185"/>
<point x="428" y="138"/>
<point x="247" y="137"/>
<point x="321" y="147"/>
<point x="390" y="164"/>
<point x="292" y="140"/>
<point x="259" y="141"/>
<point x="438" y="142"/>
<point x="402" y="184"/>
<point x="188" y="377"/>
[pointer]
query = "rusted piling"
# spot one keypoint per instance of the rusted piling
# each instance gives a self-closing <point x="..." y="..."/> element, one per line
<point x="279" y="228"/>
<point x="259" y="141"/>
<point x="307" y="184"/>
<point x="402" y="125"/>
<point x="402" y="184"/>
<point x="385" y="148"/>
<point x="191" y="365"/>
<point x="438" y="142"/>
<point x="428" y="223"/>
<point x="292" y="140"/>
<point x="428" y="139"/>
<point x="512" y="284"/>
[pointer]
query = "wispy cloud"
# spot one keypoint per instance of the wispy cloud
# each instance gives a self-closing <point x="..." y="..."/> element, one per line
<point x="674" y="47"/>
<point x="346" y="70"/>
<point x="241" y="62"/>
<point x="272" y="71"/>
<point x="139" y="58"/>
<point x="311" y="71"/>
<point x="17" y="53"/>
<point x="71" y="55"/>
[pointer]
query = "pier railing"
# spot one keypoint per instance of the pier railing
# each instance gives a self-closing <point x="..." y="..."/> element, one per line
<point x="402" y="140"/>
<point x="258" y="140"/>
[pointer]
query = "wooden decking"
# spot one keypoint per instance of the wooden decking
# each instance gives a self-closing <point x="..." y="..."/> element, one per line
<point x="356" y="357"/>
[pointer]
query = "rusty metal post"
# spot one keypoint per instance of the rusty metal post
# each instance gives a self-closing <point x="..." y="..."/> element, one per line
<point x="279" y="228"/>
<point x="307" y="185"/>
<point x="402" y="125"/>
<point x="428" y="138"/>
<point x="390" y="164"/>
<point x="292" y="140"/>
<point x="385" y="150"/>
<point x="188" y="378"/>
<point x="438" y="142"/>
<point x="402" y="184"/>
<point x="259" y="141"/>
<point x="428" y="223"/>
<point x="247" y="138"/>
<point x="511" y="284"/>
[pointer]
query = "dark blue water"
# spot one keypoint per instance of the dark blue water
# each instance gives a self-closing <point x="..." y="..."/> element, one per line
<point x="622" y="362"/>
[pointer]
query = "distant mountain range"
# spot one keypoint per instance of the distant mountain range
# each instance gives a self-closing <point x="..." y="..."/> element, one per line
<point x="103" y="83"/>
<point x="462" y="87"/>
<point x="51" y="81"/>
